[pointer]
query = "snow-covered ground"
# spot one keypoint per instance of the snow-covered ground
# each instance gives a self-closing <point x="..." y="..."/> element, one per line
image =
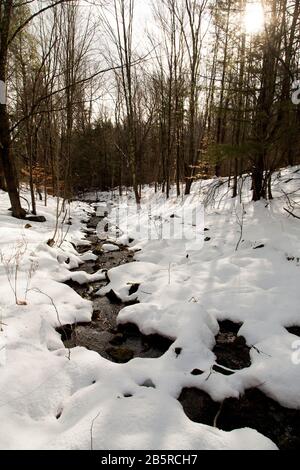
<point x="186" y="286"/>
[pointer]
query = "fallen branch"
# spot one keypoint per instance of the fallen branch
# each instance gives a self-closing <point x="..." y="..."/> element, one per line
<point x="218" y="415"/>
<point x="240" y="221"/>
<point x="209" y="375"/>
<point x="291" y="213"/>
<point x="259" y="352"/>
<point x="92" y="427"/>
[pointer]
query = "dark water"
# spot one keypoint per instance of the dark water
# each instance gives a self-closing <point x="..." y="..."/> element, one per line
<point x="254" y="409"/>
<point x="122" y="343"/>
<point x="116" y="343"/>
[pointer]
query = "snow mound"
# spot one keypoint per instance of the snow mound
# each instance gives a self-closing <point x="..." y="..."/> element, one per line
<point x="124" y="276"/>
<point x="51" y="396"/>
<point x="108" y="248"/>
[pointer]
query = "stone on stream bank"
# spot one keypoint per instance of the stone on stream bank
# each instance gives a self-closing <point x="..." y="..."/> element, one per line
<point x="231" y="350"/>
<point x="253" y="409"/>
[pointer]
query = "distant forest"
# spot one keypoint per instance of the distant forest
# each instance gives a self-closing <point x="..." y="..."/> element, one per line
<point x="94" y="104"/>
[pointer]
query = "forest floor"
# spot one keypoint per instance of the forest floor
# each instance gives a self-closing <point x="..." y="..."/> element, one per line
<point x="125" y="341"/>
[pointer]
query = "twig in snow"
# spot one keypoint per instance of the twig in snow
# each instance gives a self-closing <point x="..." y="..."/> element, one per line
<point x="169" y="270"/>
<point x="240" y="221"/>
<point x="11" y="265"/>
<point x="2" y="324"/>
<point x="33" y="267"/>
<point x="218" y="415"/>
<point x="39" y="291"/>
<point x="259" y="352"/>
<point x="212" y="192"/>
<point x="64" y="236"/>
<point x="291" y="213"/>
<point x="209" y="375"/>
<point x="92" y="428"/>
<point x="75" y="334"/>
<point x="291" y="202"/>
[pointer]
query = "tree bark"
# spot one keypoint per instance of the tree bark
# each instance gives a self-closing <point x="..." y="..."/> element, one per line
<point x="5" y="140"/>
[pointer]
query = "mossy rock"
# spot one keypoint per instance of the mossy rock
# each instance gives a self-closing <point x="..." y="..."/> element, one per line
<point x="98" y="251"/>
<point x="120" y="355"/>
<point x="117" y="340"/>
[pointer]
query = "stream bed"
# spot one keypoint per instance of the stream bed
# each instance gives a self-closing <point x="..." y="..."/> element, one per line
<point x="116" y="343"/>
<point x="122" y="343"/>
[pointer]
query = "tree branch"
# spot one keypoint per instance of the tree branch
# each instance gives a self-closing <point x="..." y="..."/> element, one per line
<point x="34" y="15"/>
<point x="291" y="213"/>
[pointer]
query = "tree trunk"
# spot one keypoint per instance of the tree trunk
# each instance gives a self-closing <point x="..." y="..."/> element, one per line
<point x="5" y="141"/>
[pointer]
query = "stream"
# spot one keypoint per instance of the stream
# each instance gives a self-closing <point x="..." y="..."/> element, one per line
<point x="116" y="343"/>
<point x="122" y="343"/>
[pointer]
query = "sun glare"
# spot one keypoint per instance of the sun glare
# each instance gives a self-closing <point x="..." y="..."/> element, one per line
<point x="254" y="18"/>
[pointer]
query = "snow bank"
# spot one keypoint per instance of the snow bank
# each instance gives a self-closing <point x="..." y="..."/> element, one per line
<point x="51" y="396"/>
<point x="254" y="282"/>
